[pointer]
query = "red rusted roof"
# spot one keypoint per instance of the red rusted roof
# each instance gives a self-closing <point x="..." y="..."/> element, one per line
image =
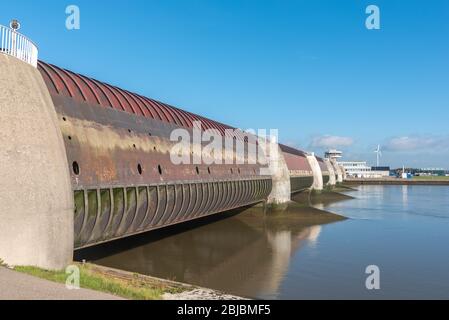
<point x="288" y="149"/>
<point x="94" y="92"/>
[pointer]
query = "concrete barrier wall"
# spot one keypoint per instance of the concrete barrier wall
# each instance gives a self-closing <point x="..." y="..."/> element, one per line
<point x="317" y="174"/>
<point x="36" y="217"/>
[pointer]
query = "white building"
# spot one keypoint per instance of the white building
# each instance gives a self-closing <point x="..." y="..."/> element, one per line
<point x="333" y="154"/>
<point x="360" y="169"/>
<point x="357" y="169"/>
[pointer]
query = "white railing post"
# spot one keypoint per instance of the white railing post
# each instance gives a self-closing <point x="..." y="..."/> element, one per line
<point x="17" y="45"/>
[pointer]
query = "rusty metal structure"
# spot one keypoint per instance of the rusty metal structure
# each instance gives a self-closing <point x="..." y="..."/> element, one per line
<point x="324" y="170"/>
<point x="301" y="175"/>
<point x="118" y="145"/>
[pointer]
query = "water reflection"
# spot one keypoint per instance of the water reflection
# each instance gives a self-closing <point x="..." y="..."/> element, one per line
<point x="404" y="196"/>
<point x="292" y="255"/>
<point x="247" y="254"/>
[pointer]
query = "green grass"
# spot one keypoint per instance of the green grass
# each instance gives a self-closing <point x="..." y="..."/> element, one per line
<point x="135" y="289"/>
<point x="442" y="178"/>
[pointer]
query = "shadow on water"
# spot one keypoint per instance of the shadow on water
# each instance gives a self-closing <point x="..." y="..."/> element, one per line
<point x="321" y="200"/>
<point x="245" y="252"/>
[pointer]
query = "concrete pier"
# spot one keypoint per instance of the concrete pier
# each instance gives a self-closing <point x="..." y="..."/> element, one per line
<point x="332" y="176"/>
<point x="281" y="190"/>
<point x="36" y="220"/>
<point x="317" y="174"/>
<point x="338" y="171"/>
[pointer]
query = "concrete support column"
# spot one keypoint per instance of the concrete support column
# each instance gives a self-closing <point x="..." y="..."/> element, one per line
<point x="330" y="168"/>
<point x="317" y="174"/>
<point x="281" y="192"/>
<point x="338" y="171"/>
<point x="343" y="171"/>
<point x="36" y="215"/>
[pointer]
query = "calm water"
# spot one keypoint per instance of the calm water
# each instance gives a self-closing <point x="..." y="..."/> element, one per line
<point x="305" y="254"/>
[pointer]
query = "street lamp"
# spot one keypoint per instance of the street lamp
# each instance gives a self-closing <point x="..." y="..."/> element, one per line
<point x="14" y="24"/>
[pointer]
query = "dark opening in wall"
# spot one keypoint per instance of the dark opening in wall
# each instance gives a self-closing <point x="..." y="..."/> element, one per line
<point x="159" y="169"/>
<point x="197" y="170"/>
<point x="208" y="170"/>
<point x="139" y="169"/>
<point x="76" y="168"/>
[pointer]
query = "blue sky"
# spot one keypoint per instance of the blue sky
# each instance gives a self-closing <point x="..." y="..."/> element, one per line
<point x="309" y="68"/>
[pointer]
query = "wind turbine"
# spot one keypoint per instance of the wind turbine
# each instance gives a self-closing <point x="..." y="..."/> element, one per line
<point x="378" y="153"/>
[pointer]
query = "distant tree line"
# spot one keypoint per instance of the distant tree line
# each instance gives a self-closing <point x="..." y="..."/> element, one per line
<point x="415" y="171"/>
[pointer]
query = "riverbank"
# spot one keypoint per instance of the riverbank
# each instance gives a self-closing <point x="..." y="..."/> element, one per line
<point x="170" y="290"/>
<point x="16" y="285"/>
<point x="103" y="283"/>
<point x="397" y="181"/>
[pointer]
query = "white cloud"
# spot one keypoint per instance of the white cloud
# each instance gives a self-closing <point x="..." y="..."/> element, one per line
<point x="417" y="143"/>
<point x="328" y="141"/>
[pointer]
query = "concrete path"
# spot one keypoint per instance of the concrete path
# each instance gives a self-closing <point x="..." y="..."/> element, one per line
<point x="19" y="286"/>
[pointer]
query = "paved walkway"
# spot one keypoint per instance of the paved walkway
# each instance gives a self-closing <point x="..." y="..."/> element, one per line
<point x="19" y="286"/>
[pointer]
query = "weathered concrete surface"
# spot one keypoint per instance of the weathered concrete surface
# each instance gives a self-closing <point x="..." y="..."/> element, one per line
<point x="332" y="175"/>
<point x="36" y="216"/>
<point x="338" y="171"/>
<point x="317" y="175"/>
<point x="281" y="191"/>
<point x="201" y="294"/>
<point x="343" y="172"/>
<point x="19" y="286"/>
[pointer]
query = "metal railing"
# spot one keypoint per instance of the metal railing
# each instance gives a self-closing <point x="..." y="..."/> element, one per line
<point x="17" y="45"/>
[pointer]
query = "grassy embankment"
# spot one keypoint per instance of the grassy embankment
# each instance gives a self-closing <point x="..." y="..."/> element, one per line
<point x="443" y="178"/>
<point x="135" y="287"/>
